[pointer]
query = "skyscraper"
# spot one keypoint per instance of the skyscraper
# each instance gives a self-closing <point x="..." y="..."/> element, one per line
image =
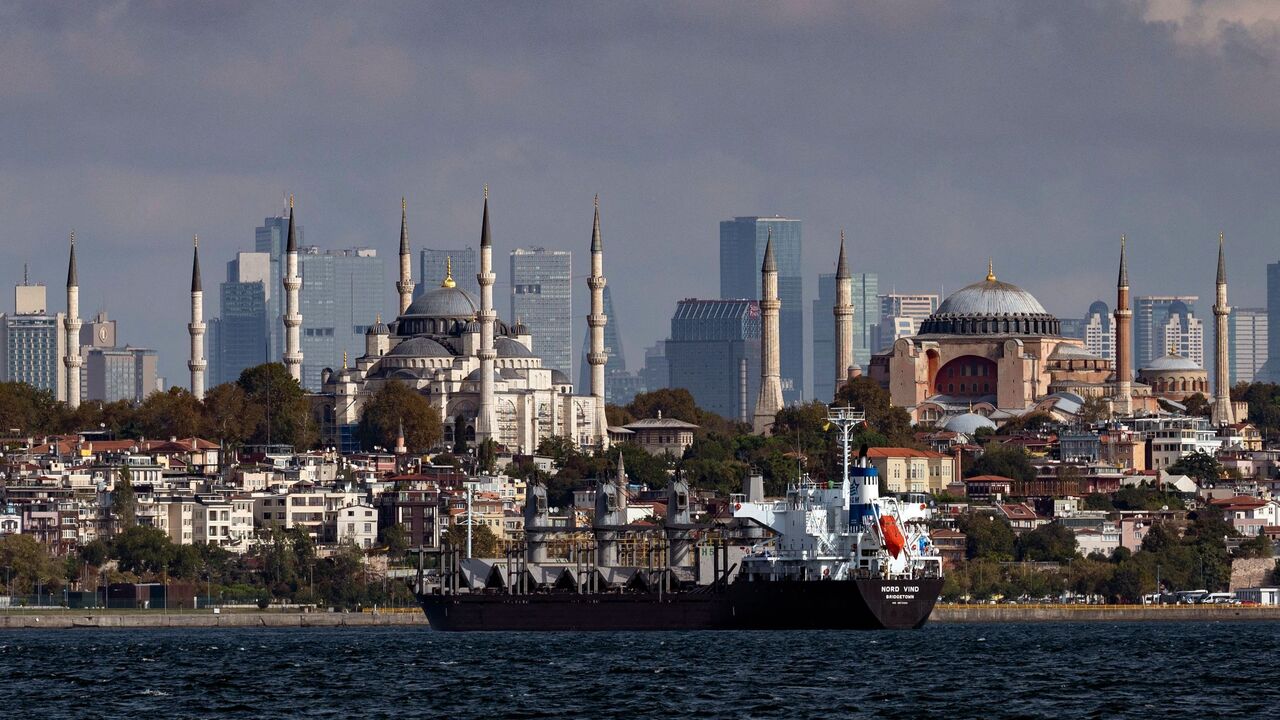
<point x="126" y="373"/>
<point x="742" y="243"/>
<point x="33" y="343"/>
<point x="824" y="349"/>
<point x="901" y="315"/>
<point x="1100" y="331"/>
<point x="1182" y="333"/>
<point x="245" y="319"/>
<point x="1270" y="371"/>
<point x="542" y="299"/>
<point x="431" y="269"/>
<point x="1151" y="315"/>
<point x="1247" y="338"/>
<point x="271" y="238"/>
<point x="866" y="311"/>
<point x="714" y="353"/>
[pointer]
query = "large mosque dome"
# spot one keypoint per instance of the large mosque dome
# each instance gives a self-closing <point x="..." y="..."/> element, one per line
<point x="991" y="307"/>
<point x="444" y="302"/>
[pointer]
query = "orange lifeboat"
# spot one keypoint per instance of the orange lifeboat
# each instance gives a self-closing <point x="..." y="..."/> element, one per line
<point x="893" y="540"/>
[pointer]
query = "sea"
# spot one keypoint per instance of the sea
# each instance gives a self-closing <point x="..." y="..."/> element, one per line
<point x="1049" y="670"/>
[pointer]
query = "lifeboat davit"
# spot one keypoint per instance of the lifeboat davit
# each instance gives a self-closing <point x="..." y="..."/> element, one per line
<point x="894" y="542"/>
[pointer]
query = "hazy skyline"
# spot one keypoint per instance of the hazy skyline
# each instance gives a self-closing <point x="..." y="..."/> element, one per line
<point x="937" y="134"/>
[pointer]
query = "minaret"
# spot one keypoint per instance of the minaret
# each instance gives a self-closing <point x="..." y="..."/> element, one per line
<point x="197" y="363"/>
<point x="486" y="421"/>
<point x="596" y="321"/>
<point x="405" y="285"/>
<point x="770" y="400"/>
<point x="292" y="318"/>
<point x="844" y="318"/>
<point x="1124" y="340"/>
<point x="71" y="324"/>
<point x="1223" y="413"/>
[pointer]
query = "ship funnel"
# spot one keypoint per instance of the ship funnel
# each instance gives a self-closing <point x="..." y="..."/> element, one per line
<point x="753" y="487"/>
<point x="678" y="525"/>
<point x="537" y="522"/>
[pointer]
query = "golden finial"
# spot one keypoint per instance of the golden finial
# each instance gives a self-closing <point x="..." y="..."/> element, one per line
<point x="344" y="359"/>
<point x="486" y="191"/>
<point x="991" y="272"/>
<point x="290" y="201"/>
<point x="448" y="272"/>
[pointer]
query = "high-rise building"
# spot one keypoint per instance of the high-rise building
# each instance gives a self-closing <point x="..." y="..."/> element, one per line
<point x="1073" y="327"/>
<point x="1100" y="331"/>
<point x="656" y="373"/>
<point x="1181" y="333"/>
<point x="866" y="313"/>
<point x="33" y="342"/>
<point x="126" y="373"/>
<point x="742" y="243"/>
<point x="431" y="269"/>
<point x="271" y="238"/>
<point x="714" y="353"/>
<point x="1151" y="314"/>
<point x="340" y="299"/>
<point x="542" y="299"/>
<point x="1248" y="341"/>
<point x="243" y="336"/>
<point x="824" y="349"/>
<point x="1270" y="371"/>
<point x="901" y="315"/>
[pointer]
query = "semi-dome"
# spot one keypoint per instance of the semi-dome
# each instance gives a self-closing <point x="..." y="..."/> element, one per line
<point x="509" y="348"/>
<point x="420" y="347"/>
<point x="1172" y="361"/>
<point x="991" y="307"/>
<point x="968" y="423"/>
<point x="443" y="302"/>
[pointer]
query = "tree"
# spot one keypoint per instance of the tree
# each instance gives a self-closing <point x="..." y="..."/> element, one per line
<point x="1004" y="460"/>
<point x="894" y="423"/>
<point x="124" y="502"/>
<point x="487" y="455"/>
<point x="396" y="404"/>
<point x="1198" y="404"/>
<point x="1199" y="466"/>
<point x="142" y="550"/>
<point x="173" y="413"/>
<point x="1031" y="422"/>
<point x="671" y="402"/>
<point x="988" y="537"/>
<point x="227" y="414"/>
<point x="278" y="409"/>
<point x="28" y="563"/>
<point x="28" y="410"/>
<point x="396" y="538"/>
<point x="94" y="553"/>
<point x="186" y="562"/>
<point x="1052" y="542"/>
<point x="484" y="544"/>
<point x="1095" y="409"/>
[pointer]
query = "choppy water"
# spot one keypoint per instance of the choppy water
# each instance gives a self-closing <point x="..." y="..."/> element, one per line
<point x="1182" y="670"/>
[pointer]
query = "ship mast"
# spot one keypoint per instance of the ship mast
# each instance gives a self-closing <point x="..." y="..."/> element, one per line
<point x="846" y="419"/>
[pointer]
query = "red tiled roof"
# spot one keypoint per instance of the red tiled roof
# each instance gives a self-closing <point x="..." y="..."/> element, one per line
<point x="901" y="452"/>
<point x="988" y="479"/>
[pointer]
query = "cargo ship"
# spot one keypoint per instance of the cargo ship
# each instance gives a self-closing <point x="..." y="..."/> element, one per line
<point x="828" y="555"/>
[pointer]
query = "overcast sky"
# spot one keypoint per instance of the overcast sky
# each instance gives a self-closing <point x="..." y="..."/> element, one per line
<point x="935" y="133"/>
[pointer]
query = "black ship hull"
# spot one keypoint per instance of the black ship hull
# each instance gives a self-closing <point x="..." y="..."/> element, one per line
<point x="744" y="605"/>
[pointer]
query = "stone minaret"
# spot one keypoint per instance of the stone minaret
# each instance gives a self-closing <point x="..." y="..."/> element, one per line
<point x="844" y="318"/>
<point x="292" y="317"/>
<point x="71" y="324"/>
<point x="486" y="421"/>
<point x="405" y="285"/>
<point x="596" y="321"/>
<point x="197" y="363"/>
<point x="1223" y="413"/>
<point x="770" y="400"/>
<point x="1124" y="340"/>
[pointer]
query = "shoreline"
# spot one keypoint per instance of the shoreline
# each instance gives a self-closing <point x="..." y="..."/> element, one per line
<point x="947" y="613"/>
<point x="73" y="620"/>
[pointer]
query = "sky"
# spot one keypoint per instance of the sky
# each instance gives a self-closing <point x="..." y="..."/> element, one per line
<point x="936" y="134"/>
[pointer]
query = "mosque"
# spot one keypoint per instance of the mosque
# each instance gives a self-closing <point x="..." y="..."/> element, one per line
<point x="479" y="372"/>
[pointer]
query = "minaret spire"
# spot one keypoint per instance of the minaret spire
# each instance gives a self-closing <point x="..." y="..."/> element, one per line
<point x="196" y="364"/>
<point x="486" y="419"/>
<point x="71" y="325"/>
<point x="405" y="285"/>
<point x="1123" y="402"/>
<point x="597" y="358"/>
<point x="1223" y="412"/>
<point x="844" y="318"/>
<point x="292" y="316"/>
<point x="770" y="400"/>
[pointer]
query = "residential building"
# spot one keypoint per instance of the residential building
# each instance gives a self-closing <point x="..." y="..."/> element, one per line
<point x="542" y="300"/>
<point x="1100" y="331"/>
<point x="357" y="524"/>
<point x="742" y="242"/>
<point x="1170" y="437"/>
<point x="1247" y="340"/>
<point x="662" y="435"/>
<point x="918" y="471"/>
<point x="714" y="353"/>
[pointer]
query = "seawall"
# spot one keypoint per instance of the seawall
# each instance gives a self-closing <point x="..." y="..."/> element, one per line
<point x="946" y="613"/>
<point x="69" y="620"/>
